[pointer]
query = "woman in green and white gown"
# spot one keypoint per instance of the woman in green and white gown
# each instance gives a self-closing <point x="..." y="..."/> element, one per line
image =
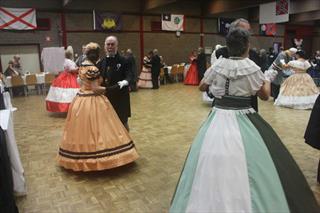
<point x="237" y="163"/>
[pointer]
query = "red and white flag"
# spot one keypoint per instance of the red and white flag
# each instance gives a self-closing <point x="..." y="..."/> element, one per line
<point x="274" y="12"/>
<point x="17" y="18"/>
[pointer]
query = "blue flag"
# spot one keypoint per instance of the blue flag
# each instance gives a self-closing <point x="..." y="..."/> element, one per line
<point x="106" y="21"/>
<point x="224" y="24"/>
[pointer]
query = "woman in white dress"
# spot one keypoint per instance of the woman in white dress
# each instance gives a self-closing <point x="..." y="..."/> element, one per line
<point x="299" y="90"/>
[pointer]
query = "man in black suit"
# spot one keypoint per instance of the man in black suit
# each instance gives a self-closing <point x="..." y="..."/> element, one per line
<point x="155" y="69"/>
<point x="201" y="63"/>
<point x="116" y="73"/>
<point x="132" y="62"/>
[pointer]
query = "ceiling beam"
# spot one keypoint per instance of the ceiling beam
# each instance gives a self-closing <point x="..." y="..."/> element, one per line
<point x="152" y="4"/>
<point x="303" y="17"/>
<point x="304" y="6"/>
<point x="222" y="6"/>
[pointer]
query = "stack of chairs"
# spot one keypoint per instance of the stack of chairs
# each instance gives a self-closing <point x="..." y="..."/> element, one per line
<point x="180" y="72"/>
<point x="162" y="76"/>
<point x="48" y="78"/>
<point x="17" y="83"/>
<point x="31" y="80"/>
<point x="174" y="72"/>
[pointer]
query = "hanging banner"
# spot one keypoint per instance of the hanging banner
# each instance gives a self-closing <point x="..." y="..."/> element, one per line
<point x="172" y="22"/>
<point x="274" y="12"/>
<point x="224" y="24"/>
<point x="17" y="18"/>
<point x="106" y="21"/>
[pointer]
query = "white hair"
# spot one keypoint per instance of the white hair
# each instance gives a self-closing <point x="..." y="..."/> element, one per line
<point x="293" y="50"/>
<point x="114" y="38"/>
<point x="218" y="46"/>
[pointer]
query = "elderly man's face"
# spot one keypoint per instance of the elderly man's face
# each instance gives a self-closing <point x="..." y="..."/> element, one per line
<point x="111" y="46"/>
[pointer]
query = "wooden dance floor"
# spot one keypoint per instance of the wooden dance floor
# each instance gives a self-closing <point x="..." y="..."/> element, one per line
<point x="163" y="125"/>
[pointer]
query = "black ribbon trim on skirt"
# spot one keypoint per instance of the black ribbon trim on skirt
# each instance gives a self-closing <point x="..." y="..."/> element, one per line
<point x="87" y="94"/>
<point x="97" y="154"/>
<point x="143" y="79"/>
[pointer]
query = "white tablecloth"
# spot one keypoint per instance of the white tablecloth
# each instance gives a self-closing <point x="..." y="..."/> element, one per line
<point x="6" y="123"/>
<point x="39" y="76"/>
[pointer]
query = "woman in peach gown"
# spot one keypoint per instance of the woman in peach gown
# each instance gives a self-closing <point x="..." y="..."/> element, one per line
<point x="94" y="137"/>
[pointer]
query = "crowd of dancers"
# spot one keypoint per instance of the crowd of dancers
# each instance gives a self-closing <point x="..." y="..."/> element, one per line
<point x="236" y="163"/>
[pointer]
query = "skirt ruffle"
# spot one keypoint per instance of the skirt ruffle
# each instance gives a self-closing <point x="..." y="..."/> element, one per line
<point x="62" y="91"/>
<point x="298" y="92"/>
<point x="145" y="79"/>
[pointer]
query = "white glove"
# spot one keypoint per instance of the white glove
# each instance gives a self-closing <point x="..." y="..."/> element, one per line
<point x="123" y="83"/>
<point x="270" y="75"/>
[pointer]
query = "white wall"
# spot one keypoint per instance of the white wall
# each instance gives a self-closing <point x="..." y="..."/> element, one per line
<point x="29" y="57"/>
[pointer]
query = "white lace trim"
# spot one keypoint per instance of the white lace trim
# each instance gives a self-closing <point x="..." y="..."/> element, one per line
<point x="236" y="111"/>
<point x="61" y="95"/>
<point x="296" y="102"/>
<point x="232" y="69"/>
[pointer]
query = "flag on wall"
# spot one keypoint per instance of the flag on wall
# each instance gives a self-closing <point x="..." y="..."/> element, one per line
<point x="224" y="24"/>
<point x="282" y="7"/>
<point x="274" y="12"/>
<point x="172" y="22"/>
<point x="268" y="29"/>
<point x="17" y="18"/>
<point x="106" y="21"/>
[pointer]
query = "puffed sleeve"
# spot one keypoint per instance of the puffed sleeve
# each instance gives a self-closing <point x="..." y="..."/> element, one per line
<point x="209" y="75"/>
<point x="256" y="80"/>
<point x="69" y="65"/>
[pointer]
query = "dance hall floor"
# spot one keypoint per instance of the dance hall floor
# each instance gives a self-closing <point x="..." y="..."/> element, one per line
<point x="163" y="125"/>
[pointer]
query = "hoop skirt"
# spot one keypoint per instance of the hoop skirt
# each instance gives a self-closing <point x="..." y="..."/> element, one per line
<point x="94" y="137"/>
<point x="62" y="91"/>
<point x="237" y="163"/>
<point x="145" y="77"/>
<point x="299" y="90"/>
<point x="192" y="75"/>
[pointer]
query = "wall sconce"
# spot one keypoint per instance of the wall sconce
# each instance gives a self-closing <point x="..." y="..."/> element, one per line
<point x="178" y="34"/>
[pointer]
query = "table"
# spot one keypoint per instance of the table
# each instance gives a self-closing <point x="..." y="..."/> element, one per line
<point x="16" y="165"/>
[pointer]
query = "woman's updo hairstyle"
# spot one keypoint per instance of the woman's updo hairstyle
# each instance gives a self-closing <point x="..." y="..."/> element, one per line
<point x="92" y="51"/>
<point x="237" y="41"/>
<point x="69" y="52"/>
<point x="301" y="54"/>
